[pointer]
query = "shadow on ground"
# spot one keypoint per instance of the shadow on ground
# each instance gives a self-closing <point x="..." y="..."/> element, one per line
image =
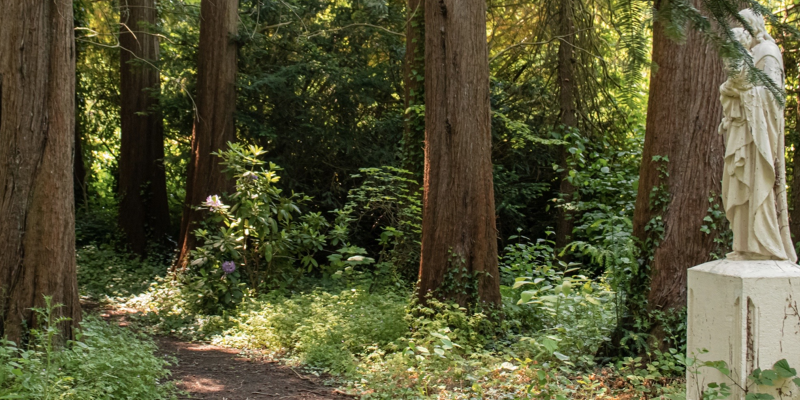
<point x="207" y="372"/>
<point x="212" y="372"/>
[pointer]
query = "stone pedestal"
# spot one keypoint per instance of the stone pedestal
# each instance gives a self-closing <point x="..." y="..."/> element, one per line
<point x="746" y="314"/>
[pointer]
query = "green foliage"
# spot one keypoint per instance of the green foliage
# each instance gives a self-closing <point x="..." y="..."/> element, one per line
<point x="780" y="377"/>
<point x="606" y="179"/>
<point x="383" y="345"/>
<point x="262" y="235"/>
<point x="716" y="223"/>
<point x="567" y="316"/>
<point x="387" y="206"/>
<point x="104" y="272"/>
<point x="324" y="330"/>
<point x="319" y="88"/>
<point x="104" y="362"/>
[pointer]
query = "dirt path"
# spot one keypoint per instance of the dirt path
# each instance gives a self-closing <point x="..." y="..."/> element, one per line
<point x="212" y="372"/>
<point x="207" y="372"/>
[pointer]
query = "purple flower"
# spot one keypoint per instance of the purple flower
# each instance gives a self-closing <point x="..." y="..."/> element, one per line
<point x="213" y="202"/>
<point x="228" y="267"/>
<point x="253" y="177"/>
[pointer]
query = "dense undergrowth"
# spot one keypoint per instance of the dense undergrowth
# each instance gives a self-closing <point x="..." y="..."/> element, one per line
<point x="103" y="362"/>
<point x="334" y="295"/>
<point x="380" y="344"/>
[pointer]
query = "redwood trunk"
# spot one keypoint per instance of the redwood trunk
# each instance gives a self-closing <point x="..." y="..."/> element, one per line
<point x="566" y="78"/>
<point x="214" y="126"/>
<point x="459" y="240"/>
<point x="37" y="122"/>
<point x="682" y="118"/>
<point x="413" y="70"/>
<point x="143" y="208"/>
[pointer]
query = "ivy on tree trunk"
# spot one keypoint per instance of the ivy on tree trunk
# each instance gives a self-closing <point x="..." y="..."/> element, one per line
<point x="681" y="166"/>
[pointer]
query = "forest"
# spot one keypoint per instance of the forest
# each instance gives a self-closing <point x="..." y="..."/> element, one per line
<point x="373" y="199"/>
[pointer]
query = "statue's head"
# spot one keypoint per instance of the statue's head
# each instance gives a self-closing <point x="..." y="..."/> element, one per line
<point x="742" y="36"/>
<point x="757" y="23"/>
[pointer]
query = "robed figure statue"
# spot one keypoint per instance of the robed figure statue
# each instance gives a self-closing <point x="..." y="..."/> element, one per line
<point x="754" y="178"/>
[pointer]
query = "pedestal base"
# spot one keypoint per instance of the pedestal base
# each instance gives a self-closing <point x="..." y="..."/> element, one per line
<point x="746" y="314"/>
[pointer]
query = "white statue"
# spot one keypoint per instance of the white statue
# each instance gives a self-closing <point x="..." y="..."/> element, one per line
<point x="754" y="179"/>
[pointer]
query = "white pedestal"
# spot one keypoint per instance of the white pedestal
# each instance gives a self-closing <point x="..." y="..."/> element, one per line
<point x="746" y="314"/>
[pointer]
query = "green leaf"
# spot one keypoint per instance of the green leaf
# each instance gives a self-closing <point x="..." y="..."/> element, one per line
<point x="759" y="396"/>
<point x="720" y="366"/>
<point x="560" y="356"/>
<point x="517" y="284"/>
<point x="550" y="345"/>
<point x="526" y="296"/>
<point x="783" y="369"/>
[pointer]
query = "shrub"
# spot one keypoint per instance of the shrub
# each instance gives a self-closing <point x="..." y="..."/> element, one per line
<point x="257" y="238"/>
<point x="104" y="362"/>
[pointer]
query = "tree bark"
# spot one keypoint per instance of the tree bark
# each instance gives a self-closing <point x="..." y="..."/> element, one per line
<point x="459" y="239"/>
<point x="216" y="103"/>
<point x="413" y="68"/>
<point x="37" y="119"/>
<point x="566" y="79"/>
<point x="143" y="208"/>
<point x="683" y="114"/>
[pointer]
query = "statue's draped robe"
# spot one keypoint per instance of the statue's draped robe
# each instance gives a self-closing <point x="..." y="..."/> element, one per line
<point x="753" y="183"/>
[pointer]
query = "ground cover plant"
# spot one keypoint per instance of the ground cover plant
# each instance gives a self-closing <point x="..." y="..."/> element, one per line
<point x="103" y="362"/>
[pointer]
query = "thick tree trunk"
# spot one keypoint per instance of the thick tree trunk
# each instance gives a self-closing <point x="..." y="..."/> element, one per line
<point x="413" y="69"/>
<point x="37" y="119"/>
<point x="216" y="102"/>
<point x="143" y="208"/>
<point x="459" y="239"/>
<point x="566" y="79"/>
<point x="682" y="118"/>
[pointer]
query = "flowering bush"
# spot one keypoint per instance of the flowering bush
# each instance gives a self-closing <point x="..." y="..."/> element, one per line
<point x="256" y="238"/>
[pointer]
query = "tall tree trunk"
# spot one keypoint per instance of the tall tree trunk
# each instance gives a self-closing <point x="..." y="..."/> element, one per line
<point x="143" y="208"/>
<point x="216" y="102"/>
<point x="681" y="163"/>
<point x="413" y="70"/>
<point x="459" y="239"/>
<point x="566" y="79"/>
<point x="37" y="119"/>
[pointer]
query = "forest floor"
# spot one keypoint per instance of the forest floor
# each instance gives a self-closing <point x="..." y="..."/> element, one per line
<point x="207" y="372"/>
